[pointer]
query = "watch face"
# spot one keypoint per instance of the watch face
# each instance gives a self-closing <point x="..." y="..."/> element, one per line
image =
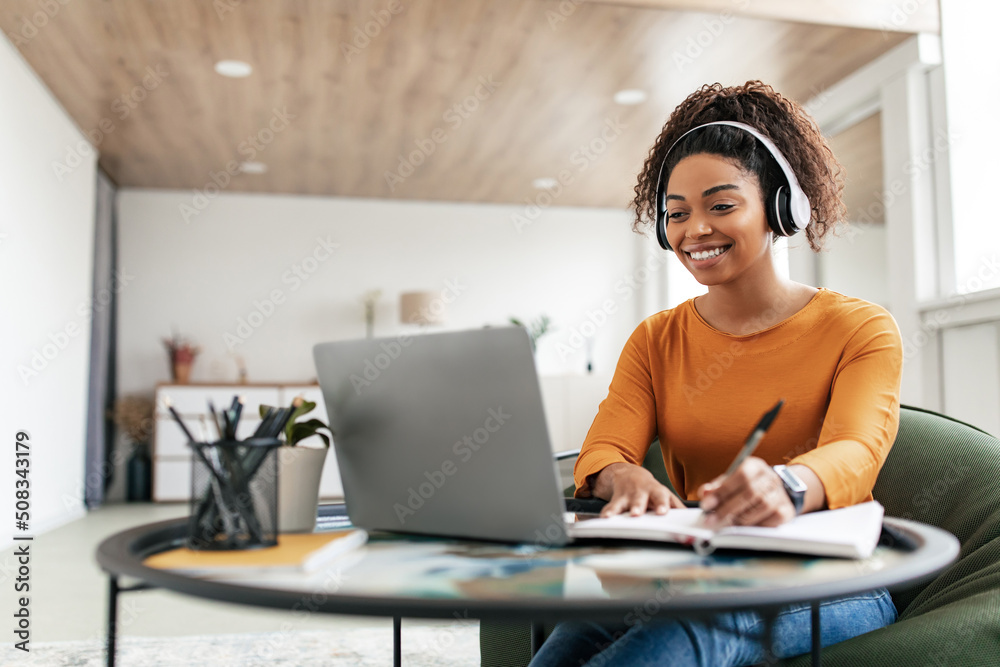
<point x="791" y="481"/>
<point x="794" y="487"/>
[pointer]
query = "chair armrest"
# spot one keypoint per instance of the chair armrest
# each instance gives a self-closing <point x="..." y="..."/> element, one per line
<point x="567" y="454"/>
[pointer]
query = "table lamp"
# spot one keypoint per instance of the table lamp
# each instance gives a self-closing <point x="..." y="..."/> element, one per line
<point x="421" y="308"/>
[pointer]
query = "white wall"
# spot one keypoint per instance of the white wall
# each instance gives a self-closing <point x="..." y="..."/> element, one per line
<point x="856" y="264"/>
<point x="203" y="276"/>
<point x="971" y="366"/>
<point x="46" y="246"/>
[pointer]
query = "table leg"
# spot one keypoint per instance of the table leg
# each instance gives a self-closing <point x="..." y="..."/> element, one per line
<point x="537" y="637"/>
<point x="112" y="618"/>
<point x="817" y="643"/>
<point x="397" y="649"/>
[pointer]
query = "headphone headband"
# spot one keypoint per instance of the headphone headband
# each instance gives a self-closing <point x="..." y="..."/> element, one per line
<point x="798" y="212"/>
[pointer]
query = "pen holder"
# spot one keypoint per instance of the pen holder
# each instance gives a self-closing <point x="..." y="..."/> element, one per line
<point x="234" y="494"/>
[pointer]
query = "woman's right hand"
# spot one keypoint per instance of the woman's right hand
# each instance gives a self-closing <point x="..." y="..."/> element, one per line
<point x="631" y="488"/>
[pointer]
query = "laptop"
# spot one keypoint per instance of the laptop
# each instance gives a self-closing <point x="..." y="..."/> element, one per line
<point x="443" y="434"/>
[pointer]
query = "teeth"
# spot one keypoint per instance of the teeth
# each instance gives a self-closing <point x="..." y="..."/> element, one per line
<point x="708" y="254"/>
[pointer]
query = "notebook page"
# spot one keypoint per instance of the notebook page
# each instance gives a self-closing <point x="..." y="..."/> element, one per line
<point x="676" y="522"/>
<point x="857" y="525"/>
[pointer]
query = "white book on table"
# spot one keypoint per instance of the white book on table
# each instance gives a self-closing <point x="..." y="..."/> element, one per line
<point x="848" y="532"/>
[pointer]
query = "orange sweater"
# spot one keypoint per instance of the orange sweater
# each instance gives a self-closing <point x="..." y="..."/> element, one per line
<point x="837" y="363"/>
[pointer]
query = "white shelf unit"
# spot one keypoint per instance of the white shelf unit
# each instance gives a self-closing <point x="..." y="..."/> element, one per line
<point x="172" y="456"/>
<point x="570" y="403"/>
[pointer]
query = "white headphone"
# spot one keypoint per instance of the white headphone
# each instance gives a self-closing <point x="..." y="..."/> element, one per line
<point x="788" y="210"/>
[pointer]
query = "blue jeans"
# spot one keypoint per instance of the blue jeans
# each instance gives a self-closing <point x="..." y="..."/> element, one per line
<point x="731" y="639"/>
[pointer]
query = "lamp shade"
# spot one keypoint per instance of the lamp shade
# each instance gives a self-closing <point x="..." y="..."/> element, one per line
<point x="421" y="308"/>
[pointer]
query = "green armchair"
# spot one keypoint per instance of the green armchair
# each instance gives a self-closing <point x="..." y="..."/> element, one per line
<point x="942" y="472"/>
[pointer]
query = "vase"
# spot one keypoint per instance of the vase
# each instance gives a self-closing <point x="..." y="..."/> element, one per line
<point x="138" y="476"/>
<point x="299" y="471"/>
<point x="182" y="372"/>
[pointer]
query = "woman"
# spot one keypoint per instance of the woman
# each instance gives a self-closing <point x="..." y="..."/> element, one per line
<point x="732" y="170"/>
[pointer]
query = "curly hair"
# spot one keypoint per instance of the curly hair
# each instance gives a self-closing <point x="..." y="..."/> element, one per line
<point x="786" y="123"/>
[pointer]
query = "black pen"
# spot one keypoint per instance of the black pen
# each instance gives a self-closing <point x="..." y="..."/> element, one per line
<point x="177" y="418"/>
<point x="219" y="426"/>
<point x="237" y="409"/>
<point x="751" y="443"/>
<point x="755" y="437"/>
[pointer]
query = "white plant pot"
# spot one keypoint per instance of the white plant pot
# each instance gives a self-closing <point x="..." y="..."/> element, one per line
<point x="299" y="472"/>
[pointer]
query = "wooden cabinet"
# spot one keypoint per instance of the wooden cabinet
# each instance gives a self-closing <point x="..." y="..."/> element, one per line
<point x="172" y="456"/>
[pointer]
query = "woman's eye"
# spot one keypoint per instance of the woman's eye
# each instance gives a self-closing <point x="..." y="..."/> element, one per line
<point x="676" y="214"/>
<point x="722" y="207"/>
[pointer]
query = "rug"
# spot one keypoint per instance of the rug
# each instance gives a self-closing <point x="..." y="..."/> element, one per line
<point x="422" y="646"/>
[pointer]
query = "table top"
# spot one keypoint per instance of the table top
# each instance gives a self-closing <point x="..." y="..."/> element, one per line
<point x="419" y="577"/>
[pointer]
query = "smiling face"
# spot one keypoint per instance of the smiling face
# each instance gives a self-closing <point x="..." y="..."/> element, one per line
<point x="715" y="220"/>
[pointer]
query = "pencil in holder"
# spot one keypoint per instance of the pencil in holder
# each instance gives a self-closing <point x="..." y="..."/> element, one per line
<point x="234" y="494"/>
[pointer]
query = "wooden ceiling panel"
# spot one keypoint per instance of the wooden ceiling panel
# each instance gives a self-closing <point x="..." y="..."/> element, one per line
<point x="354" y="108"/>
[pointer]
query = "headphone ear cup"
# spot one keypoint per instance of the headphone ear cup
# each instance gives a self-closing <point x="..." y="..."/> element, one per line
<point x="779" y="214"/>
<point x="661" y="220"/>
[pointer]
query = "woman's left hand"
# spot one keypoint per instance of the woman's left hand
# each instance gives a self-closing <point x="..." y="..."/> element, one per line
<point x="751" y="496"/>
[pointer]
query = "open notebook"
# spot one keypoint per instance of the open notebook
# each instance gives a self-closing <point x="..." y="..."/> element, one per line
<point x="849" y="532"/>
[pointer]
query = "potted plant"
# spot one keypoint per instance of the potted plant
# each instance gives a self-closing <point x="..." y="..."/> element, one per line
<point x="133" y="415"/>
<point x="536" y="329"/>
<point x="300" y="468"/>
<point x="182" y="353"/>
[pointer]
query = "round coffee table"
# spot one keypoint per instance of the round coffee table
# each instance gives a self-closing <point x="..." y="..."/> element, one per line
<point x="396" y="576"/>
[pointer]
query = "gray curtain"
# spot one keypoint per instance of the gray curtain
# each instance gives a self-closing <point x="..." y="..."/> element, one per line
<point x="100" y="430"/>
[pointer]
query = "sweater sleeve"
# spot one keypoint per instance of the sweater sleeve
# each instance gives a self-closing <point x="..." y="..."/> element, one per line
<point x="625" y="424"/>
<point x="863" y="415"/>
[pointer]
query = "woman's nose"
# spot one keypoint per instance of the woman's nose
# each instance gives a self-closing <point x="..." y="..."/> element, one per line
<point x="697" y="226"/>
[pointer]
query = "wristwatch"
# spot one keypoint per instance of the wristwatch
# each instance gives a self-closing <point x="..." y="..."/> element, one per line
<point x="794" y="487"/>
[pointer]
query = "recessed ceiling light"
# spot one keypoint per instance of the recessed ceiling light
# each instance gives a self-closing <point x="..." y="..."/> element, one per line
<point x="253" y="167"/>
<point x="630" y="96"/>
<point x="236" y="69"/>
<point x="545" y="183"/>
